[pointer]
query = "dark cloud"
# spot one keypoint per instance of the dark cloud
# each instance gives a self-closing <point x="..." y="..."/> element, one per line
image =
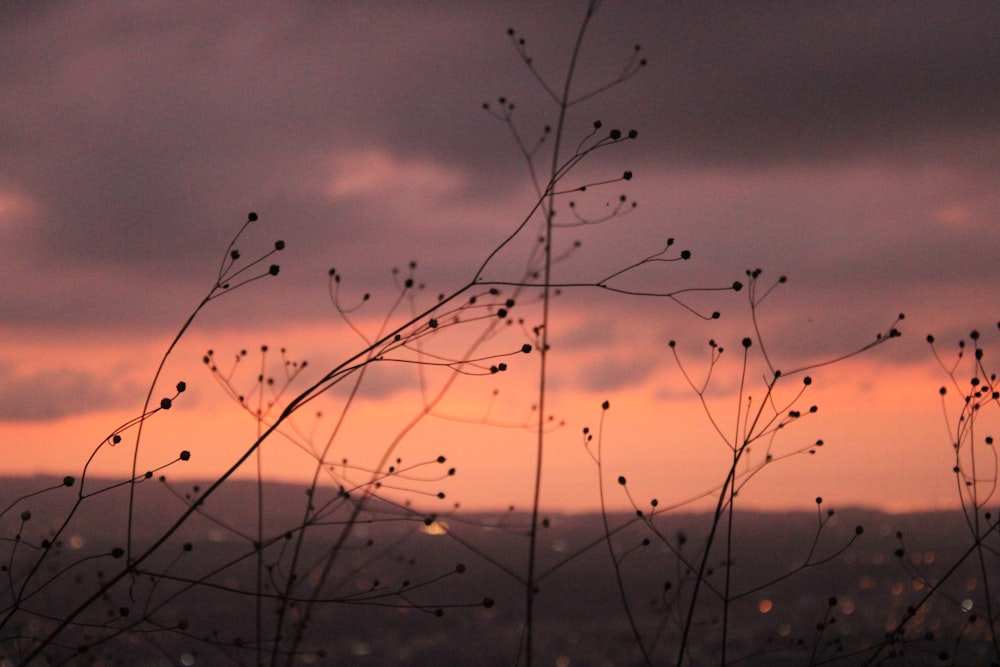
<point x="138" y="138"/>
<point x="613" y="373"/>
<point x="52" y="394"/>
<point x="804" y="82"/>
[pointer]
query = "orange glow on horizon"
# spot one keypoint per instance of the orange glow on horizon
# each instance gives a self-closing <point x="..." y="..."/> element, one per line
<point x="875" y="426"/>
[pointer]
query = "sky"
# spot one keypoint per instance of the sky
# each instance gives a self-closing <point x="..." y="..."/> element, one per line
<point x="852" y="147"/>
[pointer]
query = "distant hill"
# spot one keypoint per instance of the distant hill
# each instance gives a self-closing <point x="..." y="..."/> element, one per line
<point x="396" y="567"/>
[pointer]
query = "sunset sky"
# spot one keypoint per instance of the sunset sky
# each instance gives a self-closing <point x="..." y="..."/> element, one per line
<point x="853" y="147"/>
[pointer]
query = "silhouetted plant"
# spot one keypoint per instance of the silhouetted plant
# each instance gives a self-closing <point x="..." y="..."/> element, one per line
<point x="758" y="421"/>
<point x="140" y="585"/>
<point x="350" y="551"/>
<point x="976" y="468"/>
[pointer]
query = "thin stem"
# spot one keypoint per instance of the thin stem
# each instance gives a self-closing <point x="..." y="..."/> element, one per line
<point x="544" y="351"/>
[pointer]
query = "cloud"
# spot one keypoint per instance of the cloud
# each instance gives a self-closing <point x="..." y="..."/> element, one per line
<point x="53" y="394"/>
<point x="387" y="181"/>
<point x="615" y="372"/>
<point x="850" y="147"/>
<point x="813" y="83"/>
